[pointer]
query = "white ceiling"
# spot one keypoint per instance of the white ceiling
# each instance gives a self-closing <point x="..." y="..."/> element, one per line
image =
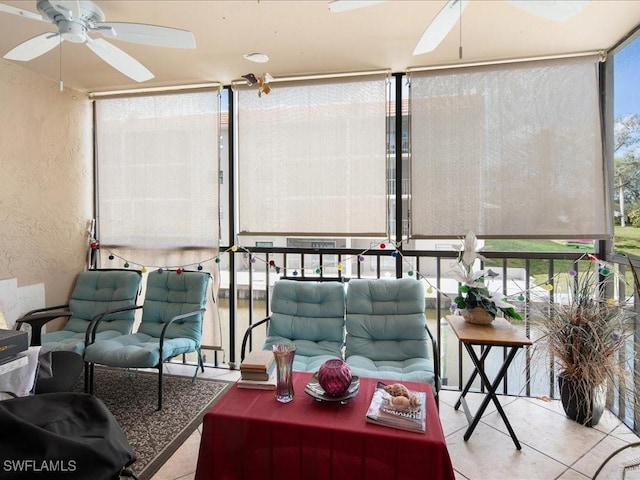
<point x="304" y="37"/>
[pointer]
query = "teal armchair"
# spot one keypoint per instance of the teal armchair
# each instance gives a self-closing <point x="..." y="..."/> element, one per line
<point x="171" y="325"/>
<point x="309" y="314"/>
<point x="387" y="334"/>
<point x="105" y="295"/>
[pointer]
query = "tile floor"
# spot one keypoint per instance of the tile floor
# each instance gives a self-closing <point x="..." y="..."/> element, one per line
<point x="553" y="447"/>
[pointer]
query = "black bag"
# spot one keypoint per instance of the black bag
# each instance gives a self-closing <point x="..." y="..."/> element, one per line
<point x="71" y="436"/>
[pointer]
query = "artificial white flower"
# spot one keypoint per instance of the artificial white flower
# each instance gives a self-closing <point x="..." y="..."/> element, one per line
<point x="499" y="299"/>
<point x="470" y="248"/>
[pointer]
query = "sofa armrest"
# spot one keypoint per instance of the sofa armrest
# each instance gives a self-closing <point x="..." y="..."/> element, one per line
<point x="248" y="334"/>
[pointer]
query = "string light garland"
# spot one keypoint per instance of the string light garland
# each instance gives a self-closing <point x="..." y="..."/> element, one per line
<point x="604" y="268"/>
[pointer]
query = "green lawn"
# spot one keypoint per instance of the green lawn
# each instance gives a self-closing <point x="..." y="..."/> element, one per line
<point x="627" y="241"/>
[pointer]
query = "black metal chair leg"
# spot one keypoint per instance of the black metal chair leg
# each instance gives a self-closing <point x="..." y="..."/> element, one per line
<point x="160" y="386"/>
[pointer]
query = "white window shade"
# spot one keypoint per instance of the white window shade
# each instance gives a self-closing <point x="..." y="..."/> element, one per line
<point x="311" y="158"/>
<point x="508" y="151"/>
<point x="158" y="167"/>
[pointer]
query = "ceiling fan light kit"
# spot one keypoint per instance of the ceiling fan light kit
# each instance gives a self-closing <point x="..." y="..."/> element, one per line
<point x="75" y="19"/>
<point x="256" y="57"/>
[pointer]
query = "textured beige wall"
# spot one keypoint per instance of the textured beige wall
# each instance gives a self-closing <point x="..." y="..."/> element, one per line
<point x="46" y="172"/>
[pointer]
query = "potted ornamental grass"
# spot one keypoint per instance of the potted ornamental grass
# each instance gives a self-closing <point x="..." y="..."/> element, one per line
<point x="474" y="301"/>
<point x="585" y="336"/>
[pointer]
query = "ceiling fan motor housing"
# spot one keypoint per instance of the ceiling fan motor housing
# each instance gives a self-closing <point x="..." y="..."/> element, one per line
<point x="72" y="29"/>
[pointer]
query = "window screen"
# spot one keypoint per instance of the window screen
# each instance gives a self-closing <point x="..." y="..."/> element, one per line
<point x="312" y="158"/>
<point x="158" y="170"/>
<point x="508" y="151"/>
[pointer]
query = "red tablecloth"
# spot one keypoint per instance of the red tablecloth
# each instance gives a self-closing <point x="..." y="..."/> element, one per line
<point x="249" y="435"/>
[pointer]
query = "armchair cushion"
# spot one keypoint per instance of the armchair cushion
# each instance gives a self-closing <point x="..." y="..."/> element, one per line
<point x="170" y="295"/>
<point x="65" y="340"/>
<point x="311" y="315"/>
<point x="386" y="330"/>
<point x="95" y="292"/>
<point x="137" y="350"/>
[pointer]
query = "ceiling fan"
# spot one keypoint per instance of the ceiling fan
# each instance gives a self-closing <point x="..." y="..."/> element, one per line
<point x="441" y="25"/>
<point x="75" y="19"/>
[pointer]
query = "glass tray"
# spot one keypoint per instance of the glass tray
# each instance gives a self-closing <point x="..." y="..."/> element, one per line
<point x="314" y="389"/>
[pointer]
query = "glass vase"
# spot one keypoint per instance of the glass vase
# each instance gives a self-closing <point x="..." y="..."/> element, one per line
<point x="284" y="354"/>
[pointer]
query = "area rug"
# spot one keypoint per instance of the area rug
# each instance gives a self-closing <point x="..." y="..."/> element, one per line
<point x="132" y="398"/>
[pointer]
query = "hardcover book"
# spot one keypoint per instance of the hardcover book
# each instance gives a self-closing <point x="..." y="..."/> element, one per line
<point x="257" y="361"/>
<point x="398" y="407"/>
<point x="257" y="375"/>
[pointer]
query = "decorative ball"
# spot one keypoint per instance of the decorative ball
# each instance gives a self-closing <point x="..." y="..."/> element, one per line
<point x="334" y="377"/>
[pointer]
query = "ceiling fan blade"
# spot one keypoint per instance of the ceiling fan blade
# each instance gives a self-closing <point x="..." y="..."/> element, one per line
<point x="34" y="47"/>
<point x="337" y="6"/>
<point x="155" y="35"/>
<point x="440" y="26"/>
<point x="119" y="60"/>
<point x="21" y="12"/>
<point x="557" y="10"/>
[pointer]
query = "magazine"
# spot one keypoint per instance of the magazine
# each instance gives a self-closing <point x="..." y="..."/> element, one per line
<point x="387" y="408"/>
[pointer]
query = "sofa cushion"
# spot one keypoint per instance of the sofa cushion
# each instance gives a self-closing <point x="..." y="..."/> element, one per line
<point x="311" y="315"/>
<point x="386" y="330"/>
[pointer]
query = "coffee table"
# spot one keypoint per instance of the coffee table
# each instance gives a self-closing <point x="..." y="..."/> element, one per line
<point x="248" y="435"/>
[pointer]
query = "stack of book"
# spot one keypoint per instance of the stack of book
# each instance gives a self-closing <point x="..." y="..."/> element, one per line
<point x="257" y="370"/>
